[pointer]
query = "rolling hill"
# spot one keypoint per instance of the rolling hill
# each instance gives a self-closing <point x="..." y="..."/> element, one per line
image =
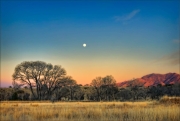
<point x="152" y="80"/>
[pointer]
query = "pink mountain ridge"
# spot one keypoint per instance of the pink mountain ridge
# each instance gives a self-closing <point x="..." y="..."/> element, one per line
<point x="152" y="80"/>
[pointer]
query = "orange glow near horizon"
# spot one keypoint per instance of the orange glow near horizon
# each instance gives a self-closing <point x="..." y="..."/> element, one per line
<point x="85" y="72"/>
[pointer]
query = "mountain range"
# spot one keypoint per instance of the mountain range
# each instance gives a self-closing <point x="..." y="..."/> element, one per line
<point x="152" y="80"/>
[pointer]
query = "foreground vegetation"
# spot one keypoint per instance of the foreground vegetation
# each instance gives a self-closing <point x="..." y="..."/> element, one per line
<point x="167" y="109"/>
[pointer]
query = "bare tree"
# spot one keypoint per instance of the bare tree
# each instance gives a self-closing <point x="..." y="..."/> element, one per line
<point x="69" y="82"/>
<point x="43" y="77"/>
<point x="109" y="83"/>
<point x="97" y="83"/>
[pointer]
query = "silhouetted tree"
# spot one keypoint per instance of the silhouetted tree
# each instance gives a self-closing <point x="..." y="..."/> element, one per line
<point x="2" y="94"/>
<point x="15" y="96"/>
<point x="134" y="90"/>
<point x="142" y="93"/>
<point x="97" y="84"/>
<point x="79" y="93"/>
<point x="104" y="87"/>
<point x="109" y="83"/>
<point x="176" y="89"/>
<point x="62" y="92"/>
<point x="124" y="94"/>
<point x="69" y="82"/>
<point x="36" y="74"/>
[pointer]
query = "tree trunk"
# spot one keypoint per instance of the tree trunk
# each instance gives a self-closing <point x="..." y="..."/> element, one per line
<point x="32" y="91"/>
<point x="71" y="93"/>
<point x="98" y="94"/>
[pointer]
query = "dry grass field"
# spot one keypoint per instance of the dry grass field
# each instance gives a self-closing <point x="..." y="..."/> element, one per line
<point x="167" y="109"/>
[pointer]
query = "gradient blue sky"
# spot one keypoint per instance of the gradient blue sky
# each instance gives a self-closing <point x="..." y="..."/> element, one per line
<point x="124" y="39"/>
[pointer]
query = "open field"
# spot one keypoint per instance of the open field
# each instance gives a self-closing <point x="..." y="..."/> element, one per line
<point x="90" y="111"/>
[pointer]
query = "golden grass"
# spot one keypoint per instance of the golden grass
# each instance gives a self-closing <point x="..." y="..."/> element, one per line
<point x="169" y="100"/>
<point x="89" y="111"/>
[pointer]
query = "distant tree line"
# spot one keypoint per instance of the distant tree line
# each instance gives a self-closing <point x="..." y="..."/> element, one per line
<point x="92" y="93"/>
<point x="41" y="81"/>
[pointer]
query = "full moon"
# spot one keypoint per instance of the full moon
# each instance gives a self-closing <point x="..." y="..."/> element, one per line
<point x="84" y="45"/>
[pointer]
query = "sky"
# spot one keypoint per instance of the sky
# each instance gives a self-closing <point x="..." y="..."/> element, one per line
<point x="124" y="39"/>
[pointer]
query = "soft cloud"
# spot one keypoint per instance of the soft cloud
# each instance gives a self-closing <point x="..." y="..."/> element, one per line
<point x="127" y="17"/>
<point x="173" y="58"/>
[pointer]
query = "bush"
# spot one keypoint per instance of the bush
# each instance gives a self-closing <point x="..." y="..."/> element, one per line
<point x="15" y="96"/>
